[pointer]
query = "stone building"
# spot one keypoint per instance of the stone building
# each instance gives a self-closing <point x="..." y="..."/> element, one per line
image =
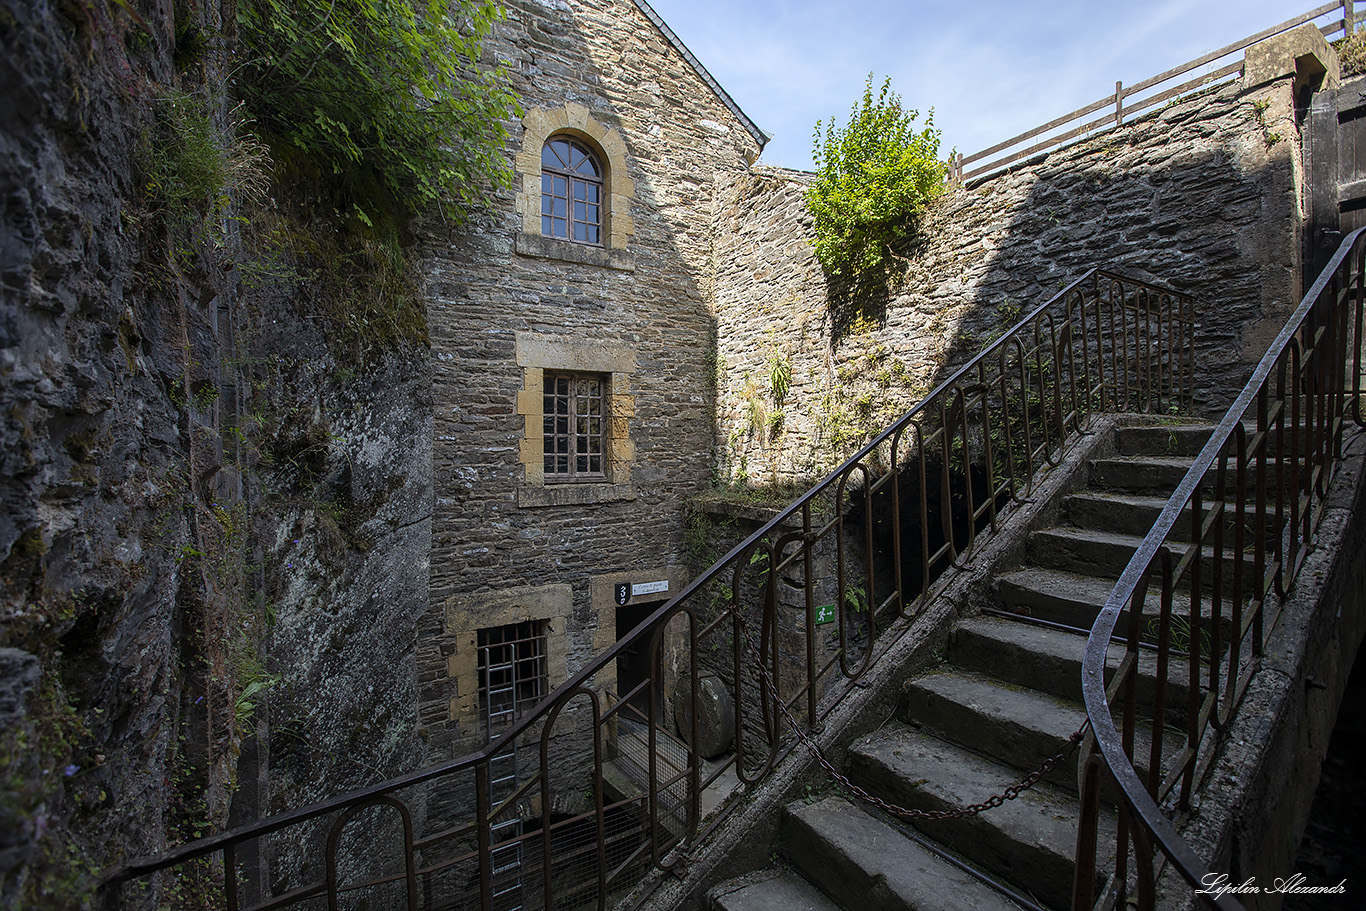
<point x="643" y="279"/>
<point x="571" y="335"/>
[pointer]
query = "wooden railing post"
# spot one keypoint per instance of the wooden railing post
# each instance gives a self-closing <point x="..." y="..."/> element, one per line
<point x="1119" y="103"/>
<point x="1349" y="18"/>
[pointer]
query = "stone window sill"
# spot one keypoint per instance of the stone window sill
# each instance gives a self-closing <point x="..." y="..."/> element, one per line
<point x="554" y="248"/>
<point x="572" y="494"/>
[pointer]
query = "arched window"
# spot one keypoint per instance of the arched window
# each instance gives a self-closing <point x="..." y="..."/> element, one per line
<point x="571" y="191"/>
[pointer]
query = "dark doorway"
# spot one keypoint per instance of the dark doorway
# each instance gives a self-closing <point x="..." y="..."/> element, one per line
<point x="633" y="662"/>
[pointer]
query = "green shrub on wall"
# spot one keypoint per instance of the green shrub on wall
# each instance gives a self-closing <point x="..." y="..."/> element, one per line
<point x="872" y="176"/>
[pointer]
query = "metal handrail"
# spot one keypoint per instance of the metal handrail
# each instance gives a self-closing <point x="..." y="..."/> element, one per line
<point x="1265" y="486"/>
<point x="1117" y="104"/>
<point x="940" y="478"/>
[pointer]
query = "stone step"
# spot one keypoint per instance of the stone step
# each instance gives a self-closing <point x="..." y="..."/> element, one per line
<point x="869" y="863"/>
<point x="1082" y="550"/>
<point x="771" y="890"/>
<point x="1015" y="726"/>
<point x="1134" y="514"/>
<point x="1101" y="553"/>
<point x="1163" y="439"/>
<point x="1185" y="439"/>
<point x="1029" y="842"/>
<point x="1075" y="600"/>
<point x="1158" y="475"/>
<point x="1049" y="660"/>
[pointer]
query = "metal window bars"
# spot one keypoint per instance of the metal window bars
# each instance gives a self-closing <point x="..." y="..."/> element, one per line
<point x="511" y="681"/>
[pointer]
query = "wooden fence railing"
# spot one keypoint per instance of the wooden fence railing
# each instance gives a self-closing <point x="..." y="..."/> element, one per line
<point x="1124" y="101"/>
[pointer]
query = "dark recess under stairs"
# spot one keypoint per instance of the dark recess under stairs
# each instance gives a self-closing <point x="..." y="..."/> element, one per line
<point x="1006" y="697"/>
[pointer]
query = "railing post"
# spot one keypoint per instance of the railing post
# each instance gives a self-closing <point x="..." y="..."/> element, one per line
<point x="1119" y="103"/>
<point x="1088" y="823"/>
<point x="1349" y="19"/>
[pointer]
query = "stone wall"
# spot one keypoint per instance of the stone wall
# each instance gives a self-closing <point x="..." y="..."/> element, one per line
<point x="1202" y="194"/>
<point x="506" y="304"/>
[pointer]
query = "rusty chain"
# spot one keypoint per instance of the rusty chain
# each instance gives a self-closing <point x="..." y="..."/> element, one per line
<point x="991" y="803"/>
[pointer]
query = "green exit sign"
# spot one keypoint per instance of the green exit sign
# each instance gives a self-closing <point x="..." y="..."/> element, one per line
<point x="825" y="613"/>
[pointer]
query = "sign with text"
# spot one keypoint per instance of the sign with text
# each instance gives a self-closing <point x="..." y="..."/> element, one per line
<point x="625" y="591"/>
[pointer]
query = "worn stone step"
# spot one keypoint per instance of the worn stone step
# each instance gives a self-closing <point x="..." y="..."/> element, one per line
<point x="771" y="890"/>
<point x="1139" y="474"/>
<point x="1102" y="553"/>
<point x="1185" y="439"/>
<point x="1029" y="842"/>
<point x="1014" y="725"/>
<point x="1055" y="595"/>
<point x="1082" y="550"/>
<point x="869" y="863"/>
<point x="1135" y="514"/>
<point x="1128" y="514"/>
<point x="1163" y="439"/>
<point x="1049" y="660"/>
<point x="1075" y="599"/>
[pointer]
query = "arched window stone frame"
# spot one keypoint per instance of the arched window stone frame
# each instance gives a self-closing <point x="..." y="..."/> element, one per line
<point x="619" y="190"/>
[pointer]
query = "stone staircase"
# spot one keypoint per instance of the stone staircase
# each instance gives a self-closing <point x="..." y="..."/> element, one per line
<point x="1005" y="697"/>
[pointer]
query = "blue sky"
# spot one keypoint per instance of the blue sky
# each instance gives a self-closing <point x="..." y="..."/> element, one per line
<point x="990" y="69"/>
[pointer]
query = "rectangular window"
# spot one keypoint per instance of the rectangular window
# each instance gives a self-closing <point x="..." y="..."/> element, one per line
<point x="511" y="671"/>
<point x="575" y="421"/>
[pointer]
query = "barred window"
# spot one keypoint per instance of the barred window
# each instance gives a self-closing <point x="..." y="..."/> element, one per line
<point x="511" y="671"/>
<point x="575" y="420"/>
<point x="571" y="192"/>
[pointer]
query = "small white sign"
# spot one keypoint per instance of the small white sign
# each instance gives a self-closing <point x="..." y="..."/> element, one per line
<point x="649" y="588"/>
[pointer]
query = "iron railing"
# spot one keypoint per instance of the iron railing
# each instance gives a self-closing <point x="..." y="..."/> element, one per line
<point x="1126" y="101"/>
<point x="1224" y="551"/>
<point x="602" y="796"/>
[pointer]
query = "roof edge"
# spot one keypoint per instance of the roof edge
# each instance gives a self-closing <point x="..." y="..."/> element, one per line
<point x="751" y="127"/>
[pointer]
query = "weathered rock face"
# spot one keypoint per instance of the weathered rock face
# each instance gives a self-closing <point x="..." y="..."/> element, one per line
<point x="342" y="530"/>
<point x="214" y="521"/>
<point x="93" y="477"/>
<point x="1203" y="195"/>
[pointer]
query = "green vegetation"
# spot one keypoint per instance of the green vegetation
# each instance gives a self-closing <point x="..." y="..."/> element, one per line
<point x="42" y="762"/>
<point x="375" y="112"/>
<point x="377" y="105"/>
<point x="358" y="116"/>
<point x="1352" y="53"/>
<point x="191" y="166"/>
<point x="872" y="176"/>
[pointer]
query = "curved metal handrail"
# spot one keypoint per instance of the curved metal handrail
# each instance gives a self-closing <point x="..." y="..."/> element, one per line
<point x="1308" y="364"/>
